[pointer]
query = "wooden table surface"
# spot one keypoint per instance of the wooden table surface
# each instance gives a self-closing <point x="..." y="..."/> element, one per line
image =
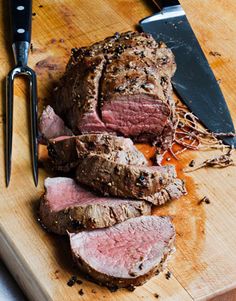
<point x="204" y="265"/>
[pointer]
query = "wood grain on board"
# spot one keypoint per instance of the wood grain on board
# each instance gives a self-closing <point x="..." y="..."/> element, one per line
<point x="204" y="265"/>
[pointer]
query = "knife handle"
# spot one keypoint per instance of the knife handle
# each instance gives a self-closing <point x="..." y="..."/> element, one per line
<point x="166" y="3"/>
<point x="21" y="19"/>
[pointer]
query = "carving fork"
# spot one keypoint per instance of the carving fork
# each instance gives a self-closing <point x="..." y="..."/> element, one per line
<point x="21" y="19"/>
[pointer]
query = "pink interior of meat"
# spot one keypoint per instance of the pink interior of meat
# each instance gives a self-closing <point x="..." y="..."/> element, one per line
<point x="135" y="114"/>
<point x="60" y="138"/>
<point x="63" y="192"/>
<point x="51" y="125"/>
<point x="121" y="249"/>
<point x="91" y="123"/>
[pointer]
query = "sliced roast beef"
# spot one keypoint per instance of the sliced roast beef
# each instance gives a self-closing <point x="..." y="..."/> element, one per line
<point x="118" y="149"/>
<point x="51" y="125"/>
<point x="134" y="102"/>
<point x="66" y="206"/>
<point x="120" y="85"/>
<point x="172" y="191"/>
<point x="127" y="254"/>
<point x="111" y="178"/>
<point x="63" y="152"/>
<point x="76" y="98"/>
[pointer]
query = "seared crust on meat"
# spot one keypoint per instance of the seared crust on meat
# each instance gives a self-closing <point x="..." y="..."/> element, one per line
<point x="67" y="152"/>
<point x="131" y="68"/>
<point x="140" y="182"/>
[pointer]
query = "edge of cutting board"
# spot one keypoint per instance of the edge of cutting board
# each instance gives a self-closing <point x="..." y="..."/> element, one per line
<point x="20" y="269"/>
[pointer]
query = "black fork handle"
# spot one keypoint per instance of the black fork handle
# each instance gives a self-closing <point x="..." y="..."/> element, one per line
<point x="21" y="20"/>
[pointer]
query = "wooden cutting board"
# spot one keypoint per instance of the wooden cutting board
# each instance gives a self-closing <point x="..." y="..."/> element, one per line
<point x="204" y="265"/>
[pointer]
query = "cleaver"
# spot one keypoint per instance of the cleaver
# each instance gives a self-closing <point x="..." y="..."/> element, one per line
<point x="194" y="80"/>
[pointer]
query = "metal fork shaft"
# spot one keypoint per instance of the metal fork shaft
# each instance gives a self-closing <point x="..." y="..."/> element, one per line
<point x="33" y="119"/>
<point x="9" y="124"/>
<point x="21" y="51"/>
<point x="33" y="125"/>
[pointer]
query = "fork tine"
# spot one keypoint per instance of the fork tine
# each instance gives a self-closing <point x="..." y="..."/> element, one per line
<point x="34" y="125"/>
<point x="9" y="125"/>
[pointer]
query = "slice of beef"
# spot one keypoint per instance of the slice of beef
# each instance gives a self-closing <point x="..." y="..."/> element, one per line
<point x="63" y="152"/>
<point x="51" y="125"/>
<point x="172" y="191"/>
<point x="76" y="97"/>
<point x="66" y="206"/>
<point x="120" y="85"/>
<point x="119" y="149"/>
<point x="111" y="178"/>
<point x="127" y="254"/>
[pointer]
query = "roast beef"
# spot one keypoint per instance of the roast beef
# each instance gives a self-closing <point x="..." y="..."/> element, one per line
<point x="172" y="191"/>
<point x="51" y="125"/>
<point x="66" y="206"/>
<point x="118" y="149"/>
<point x="63" y="152"/>
<point x="134" y="101"/>
<point x="76" y="97"/>
<point x="127" y="254"/>
<point x="120" y="85"/>
<point x="140" y="182"/>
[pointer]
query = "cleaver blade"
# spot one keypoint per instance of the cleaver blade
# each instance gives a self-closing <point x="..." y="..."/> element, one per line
<point x="194" y="80"/>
